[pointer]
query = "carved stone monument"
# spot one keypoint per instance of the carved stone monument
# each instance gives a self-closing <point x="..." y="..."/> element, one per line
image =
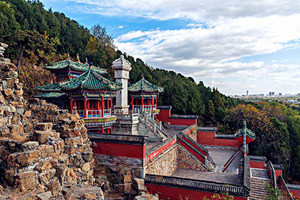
<point x="122" y="68"/>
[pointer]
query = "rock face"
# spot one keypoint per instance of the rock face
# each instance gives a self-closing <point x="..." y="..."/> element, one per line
<point x="42" y="149"/>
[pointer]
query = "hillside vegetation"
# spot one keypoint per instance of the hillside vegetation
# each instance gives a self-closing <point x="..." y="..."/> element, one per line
<point x="37" y="36"/>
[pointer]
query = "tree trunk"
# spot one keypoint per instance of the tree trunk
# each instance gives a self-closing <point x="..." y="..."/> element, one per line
<point x="20" y="57"/>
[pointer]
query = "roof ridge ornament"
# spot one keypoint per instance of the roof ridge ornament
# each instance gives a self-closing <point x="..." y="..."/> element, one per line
<point x="68" y="56"/>
<point x="78" y="59"/>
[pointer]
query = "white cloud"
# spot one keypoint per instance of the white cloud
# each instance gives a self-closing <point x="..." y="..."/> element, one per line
<point x="120" y="27"/>
<point x="201" y="52"/>
<point x="197" y="10"/>
<point x="217" y="33"/>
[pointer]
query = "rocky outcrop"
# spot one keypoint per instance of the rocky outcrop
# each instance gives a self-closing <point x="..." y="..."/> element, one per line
<point x="43" y="150"/>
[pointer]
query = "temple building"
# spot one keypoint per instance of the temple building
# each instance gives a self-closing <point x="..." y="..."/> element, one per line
<point x="143" y="96"/>
<point x="63" y="71"/>
<point x="82" y="89"/>
<point x="91" y="96"/>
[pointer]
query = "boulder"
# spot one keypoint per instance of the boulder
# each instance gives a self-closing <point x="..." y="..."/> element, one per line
<point x="44" y="196"/>
<point x="26" y="181"/>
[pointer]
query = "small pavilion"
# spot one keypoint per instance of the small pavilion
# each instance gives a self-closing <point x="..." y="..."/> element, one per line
<point x="91" y="96"/>
<point x="143" y="96"/>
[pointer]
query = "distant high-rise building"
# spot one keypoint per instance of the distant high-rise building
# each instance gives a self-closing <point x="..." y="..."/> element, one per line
<point x="271" y="93"/>
<point x="247" y="93"/>
<point x="280" y="94"/>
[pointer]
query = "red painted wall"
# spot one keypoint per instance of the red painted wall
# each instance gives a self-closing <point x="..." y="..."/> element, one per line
<point x="184" y="122"/>
<point x="160" y="150"/>
<point x="198" y="156"/>
<point x="295" y="193"/>
<point x="208" y="138"/>
<point x="115" y="149"/>
<point x="203" y="152"/>
<point x="278" y="173"/>
<point x="174" y="193"/>
<point x="164" y="116"/>
<point x="257" y="164"/>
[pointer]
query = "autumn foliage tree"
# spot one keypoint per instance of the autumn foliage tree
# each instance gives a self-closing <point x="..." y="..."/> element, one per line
<point x="272" y="136"/>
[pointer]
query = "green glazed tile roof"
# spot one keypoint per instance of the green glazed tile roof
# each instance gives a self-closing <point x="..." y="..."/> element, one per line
<point x="52" y="87"/>
<point x="77" y="66"/>
<point x="50" y="95"/>
<point x="90" y="80"/>
<point x="249" y="133"/>
<point x="144" y="86"/>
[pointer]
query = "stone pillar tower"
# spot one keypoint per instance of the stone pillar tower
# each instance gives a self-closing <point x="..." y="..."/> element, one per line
<point x="122" y="68"/>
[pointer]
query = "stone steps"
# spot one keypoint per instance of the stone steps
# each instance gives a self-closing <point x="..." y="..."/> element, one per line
<point x="257" y="188"/>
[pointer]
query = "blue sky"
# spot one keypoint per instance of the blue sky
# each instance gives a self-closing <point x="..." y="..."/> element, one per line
<point x="232" y="45"/>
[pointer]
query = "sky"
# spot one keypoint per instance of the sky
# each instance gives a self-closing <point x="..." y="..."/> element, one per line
<point x="232" y="45"/>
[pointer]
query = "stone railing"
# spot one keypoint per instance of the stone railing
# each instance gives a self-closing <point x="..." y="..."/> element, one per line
<point x="150" y="124"/>
<point x="231" y="137"/>
<point x="246" y="173"/>
<point x="271" y="169"/>
<point x="115" y="138"/>
<point x="257" y="158"/>
<point x="192" y="184"/>
<point x="285" y="188"/>
<point x="207" y="129"/>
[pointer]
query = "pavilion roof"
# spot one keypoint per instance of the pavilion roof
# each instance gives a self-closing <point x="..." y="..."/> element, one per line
<point x="248" y="132"/>
<point x="50" y="95"/>
<point x="144" y="86"/>
<point x="90" y="80"/>
<point x="52" y="87"/>
<point x="77" y="66"/>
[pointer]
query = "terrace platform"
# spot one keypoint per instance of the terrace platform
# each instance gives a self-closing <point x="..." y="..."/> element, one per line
<point x="221" y="154"/>
<point x="208" y="176"/>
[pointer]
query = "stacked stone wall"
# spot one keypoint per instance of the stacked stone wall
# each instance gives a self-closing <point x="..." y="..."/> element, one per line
<point x="165" y="164"/>
<point x="42" y="149"/>
<point x="188" y="161"/>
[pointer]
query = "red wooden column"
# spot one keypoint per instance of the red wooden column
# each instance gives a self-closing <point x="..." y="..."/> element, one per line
<point x="111" y="129"/>
<point x="108" y="104"/>
<point x="152" y="102"/>
<point x="132" y="103"/>
<point x="71" y="105"/>
<point x="142" y="103"/>
<point x="156" y="102"/>
<point x="111" y="106"/>
<point x="98" y="106"/>
<point x="102" y="107"/>
<point x="85" y="108"/>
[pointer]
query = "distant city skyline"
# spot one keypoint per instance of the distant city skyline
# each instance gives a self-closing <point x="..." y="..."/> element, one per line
<point x="234" y="46"/>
